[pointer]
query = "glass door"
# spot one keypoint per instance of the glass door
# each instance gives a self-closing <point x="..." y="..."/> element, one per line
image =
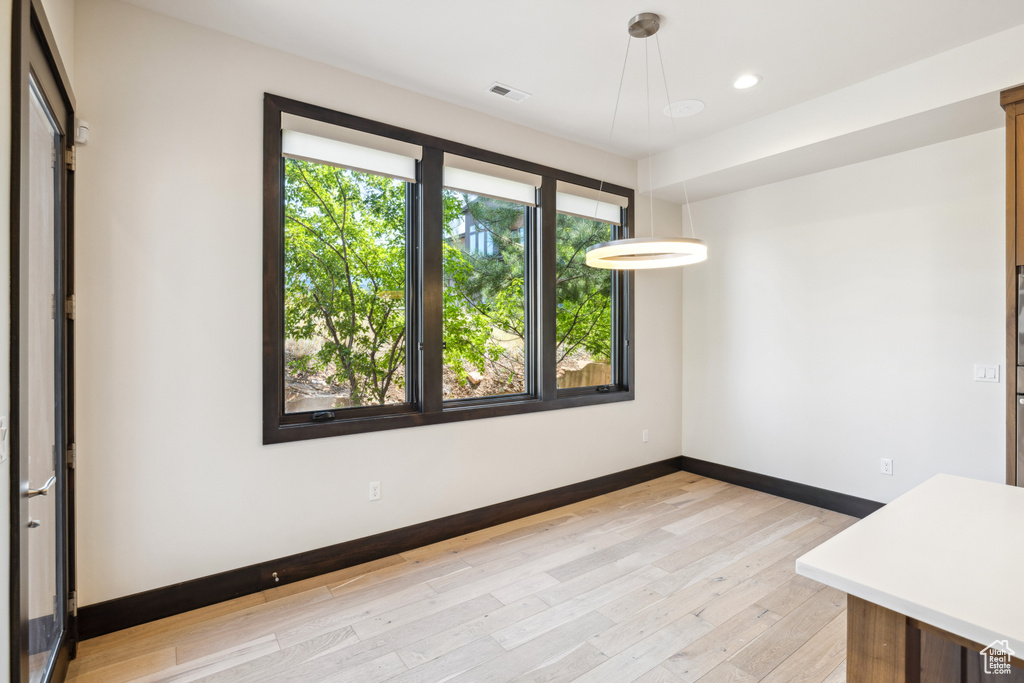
<point x="42" y="314"/>
<point x="42" y="600"/>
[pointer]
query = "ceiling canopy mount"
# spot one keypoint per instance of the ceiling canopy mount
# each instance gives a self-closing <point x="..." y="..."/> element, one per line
<point x="644" y="25"/>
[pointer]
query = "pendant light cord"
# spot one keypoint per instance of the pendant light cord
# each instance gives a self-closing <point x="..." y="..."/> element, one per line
<point x="672" y="118"/>
<point x="611" y="131"/>
<point x="650" y="148"/>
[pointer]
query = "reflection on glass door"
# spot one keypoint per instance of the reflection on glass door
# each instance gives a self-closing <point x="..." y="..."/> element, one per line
<point x="42" y="317"/>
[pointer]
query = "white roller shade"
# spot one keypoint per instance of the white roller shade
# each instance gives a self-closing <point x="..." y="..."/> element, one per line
<point x="297" y="145"/>
<point x="489" y="186"/>
<point x="587" y="202"/>
<point x="490" y="180"/>
<point x="487" y="168"/>
<point x="322" y="129"/>
<point x="582" y="207"/>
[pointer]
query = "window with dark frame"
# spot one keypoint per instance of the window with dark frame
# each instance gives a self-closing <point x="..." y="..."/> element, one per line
<point x="410" y="280"/>
<point x="583" y="305"/>
<point x="345" y="252"/>
<point x="486" y="326"/>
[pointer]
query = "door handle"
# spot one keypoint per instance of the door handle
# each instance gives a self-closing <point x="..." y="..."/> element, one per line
<point x="33" y="524"/>
<point x="32" y="493"/>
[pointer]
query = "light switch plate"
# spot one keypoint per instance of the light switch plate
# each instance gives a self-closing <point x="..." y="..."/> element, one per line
<point x="3" y="438"/>
<point x="986" y="373"/>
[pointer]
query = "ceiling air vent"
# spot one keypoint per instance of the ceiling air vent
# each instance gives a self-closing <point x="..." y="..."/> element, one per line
<point x="508" y="92"/>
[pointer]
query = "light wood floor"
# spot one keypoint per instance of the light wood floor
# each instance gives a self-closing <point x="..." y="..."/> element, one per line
<point x="679" y="579"/>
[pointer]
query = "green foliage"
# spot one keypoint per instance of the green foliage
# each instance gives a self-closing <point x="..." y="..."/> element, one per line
<point x="345" y="276"/>
<point x="345" y="279"/>
<point x="486" y="288"/>
<point x="467" y="336"/>
<point x="584" y="294"/>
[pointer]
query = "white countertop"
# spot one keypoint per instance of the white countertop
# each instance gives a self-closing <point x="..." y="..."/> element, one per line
<point x="949" y="553"/>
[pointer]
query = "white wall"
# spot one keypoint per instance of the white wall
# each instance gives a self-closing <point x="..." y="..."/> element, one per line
<point x="60" y="14"/>
<point x="174" y="482"/>
<point x="838" y="319"/>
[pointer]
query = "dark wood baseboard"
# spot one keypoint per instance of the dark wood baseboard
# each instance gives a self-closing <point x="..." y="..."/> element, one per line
<point x="823" y="498"/>
<point x="132" y="610"/>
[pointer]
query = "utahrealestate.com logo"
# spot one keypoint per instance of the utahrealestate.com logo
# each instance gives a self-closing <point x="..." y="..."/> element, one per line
<point x="996" y="657"/>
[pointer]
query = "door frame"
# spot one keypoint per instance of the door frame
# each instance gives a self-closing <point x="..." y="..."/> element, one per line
<point x="31" y="31"/>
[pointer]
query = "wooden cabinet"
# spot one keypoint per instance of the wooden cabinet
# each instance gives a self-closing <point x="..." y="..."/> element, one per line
<point x="1012" y="101"/>
<point x="888" y="647"/>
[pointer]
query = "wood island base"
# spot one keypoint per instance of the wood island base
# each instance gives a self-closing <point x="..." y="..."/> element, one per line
<point x="883" y="646"/>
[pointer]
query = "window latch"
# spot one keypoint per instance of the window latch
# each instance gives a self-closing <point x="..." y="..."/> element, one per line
<point x="323" y="416"/>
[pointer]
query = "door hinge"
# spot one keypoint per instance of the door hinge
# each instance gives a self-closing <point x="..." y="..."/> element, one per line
<point x="70" y="307"/>
<point x="73" y="604"/>
<point x="70" y="156"/>
<point x="72" y="455"/>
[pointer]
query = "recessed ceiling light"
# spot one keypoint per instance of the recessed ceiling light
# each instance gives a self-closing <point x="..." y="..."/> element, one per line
<point x="684" y="108"/>
<point x="746" y="81"/>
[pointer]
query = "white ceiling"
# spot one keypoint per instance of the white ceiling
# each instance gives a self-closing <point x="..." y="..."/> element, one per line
<point x="568" y="53"/>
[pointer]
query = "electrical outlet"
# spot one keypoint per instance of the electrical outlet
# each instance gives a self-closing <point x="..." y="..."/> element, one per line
<point x="374" y="490"/>
<point x="644" y="437"/>
<point x="886" y="466"/>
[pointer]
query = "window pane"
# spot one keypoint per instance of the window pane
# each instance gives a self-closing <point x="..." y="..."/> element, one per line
<point x="584" y="317"/>
<point x="345" y="308"/>
<point x="484" y="302"/>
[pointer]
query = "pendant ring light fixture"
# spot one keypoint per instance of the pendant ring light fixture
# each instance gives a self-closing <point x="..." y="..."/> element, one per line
<point x="646" y="252"/>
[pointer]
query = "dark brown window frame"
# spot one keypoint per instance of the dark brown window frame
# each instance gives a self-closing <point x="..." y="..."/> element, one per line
<point x="424" y="352"/>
